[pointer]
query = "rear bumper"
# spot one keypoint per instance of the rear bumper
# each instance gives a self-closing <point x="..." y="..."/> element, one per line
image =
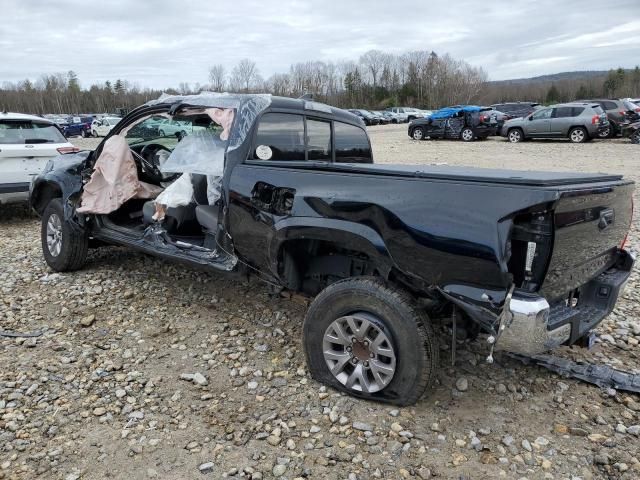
<point x="534" y="326"/>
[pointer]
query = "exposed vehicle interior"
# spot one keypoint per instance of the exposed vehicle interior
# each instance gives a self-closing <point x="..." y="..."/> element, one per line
<point x="164" y="184"/>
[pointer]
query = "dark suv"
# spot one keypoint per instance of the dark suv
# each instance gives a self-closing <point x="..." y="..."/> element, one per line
<point x="515" y="109"/>
<point x="619" y="115"/>
<point x="464" y="122"/>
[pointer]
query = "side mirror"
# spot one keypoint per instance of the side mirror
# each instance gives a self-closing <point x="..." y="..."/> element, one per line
<point x="530" y="117"/>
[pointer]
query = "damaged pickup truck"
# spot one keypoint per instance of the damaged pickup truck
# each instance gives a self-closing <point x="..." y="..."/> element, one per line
<point x="287" y="190"/>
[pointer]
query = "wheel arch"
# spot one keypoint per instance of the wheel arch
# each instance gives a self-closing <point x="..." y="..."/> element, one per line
<point x="299" y="246"/>
<point x="43" y="192"/>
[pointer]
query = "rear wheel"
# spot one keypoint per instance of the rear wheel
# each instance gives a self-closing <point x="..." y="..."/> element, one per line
<point x="467" y="135"/>
<point x="605" y="133"/>
<point x="578" y="135"/>
<point x="64" y="247"/>
<point x="370" y="340"/>
<point x="515" y="135"/>
<point x="418" y="133"/>
<point x="635" y="137"/>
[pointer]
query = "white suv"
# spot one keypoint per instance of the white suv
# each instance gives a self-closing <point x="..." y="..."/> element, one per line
<point x="102" y="127"/>
<point x="27" y="142"/>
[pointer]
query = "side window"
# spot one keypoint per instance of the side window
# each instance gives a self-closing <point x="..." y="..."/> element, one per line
<point x="563" y="112"/>
<point x="542" y="114"/>
<point x="351" y="144"/>
<point x="576" y="111"/>
<point x="280" y="137"/>
<point x="609" y="105"/>
<point x="318" y="140"/>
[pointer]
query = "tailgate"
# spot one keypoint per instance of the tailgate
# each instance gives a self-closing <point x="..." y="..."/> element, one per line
<point x="18" y="163"/>
<point x="590" y="224"/>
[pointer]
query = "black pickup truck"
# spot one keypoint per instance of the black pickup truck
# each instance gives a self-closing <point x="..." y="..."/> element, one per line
<point x="287" y="190"/>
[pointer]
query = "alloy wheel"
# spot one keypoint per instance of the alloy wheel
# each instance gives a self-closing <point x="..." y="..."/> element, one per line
<point x="418" y="134"/>
<point x="54" y="235"/>
<point x="577" y="135"/>
<point x="515" y="136"/>
<point x="359" y="353"/>
<point x="467" y="135"/>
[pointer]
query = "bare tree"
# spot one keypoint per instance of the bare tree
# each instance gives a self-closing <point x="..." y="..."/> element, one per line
<point x="246" y="72"/>
<point x="373" y="61"/>
<point x="217" y="77"/>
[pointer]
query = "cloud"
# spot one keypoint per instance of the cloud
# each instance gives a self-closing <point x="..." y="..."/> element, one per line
<point x="164" y="42"/>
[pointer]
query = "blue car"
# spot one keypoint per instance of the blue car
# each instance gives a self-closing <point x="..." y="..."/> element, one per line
<point x="77" y="126"/>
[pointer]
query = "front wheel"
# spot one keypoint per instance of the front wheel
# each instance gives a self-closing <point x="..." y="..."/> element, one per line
<point x="467" y="135"/>
<point x="515" y="135"/>
<point x="370" y="340"/>
<point x="64" y="247"/>
<point x="94" y="134"/>
<point x="635" y="137"/>
<point x="578" y="135"/>
<point x="418" y="133"/>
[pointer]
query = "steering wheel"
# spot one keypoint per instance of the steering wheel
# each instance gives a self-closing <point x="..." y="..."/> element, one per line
<point x="147" y="154"/>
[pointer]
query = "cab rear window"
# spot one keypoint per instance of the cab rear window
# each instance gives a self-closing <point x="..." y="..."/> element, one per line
<point x="26" y="132"/>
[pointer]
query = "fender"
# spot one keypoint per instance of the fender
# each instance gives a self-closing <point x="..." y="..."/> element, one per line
<point x="61" y="176"/>
<point x="350" y="235"/>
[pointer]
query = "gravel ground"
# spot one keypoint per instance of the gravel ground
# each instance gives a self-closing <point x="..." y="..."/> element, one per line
<point x="150" y="370"/>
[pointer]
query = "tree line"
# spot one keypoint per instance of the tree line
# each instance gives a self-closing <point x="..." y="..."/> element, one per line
<point x="376" y="80"/>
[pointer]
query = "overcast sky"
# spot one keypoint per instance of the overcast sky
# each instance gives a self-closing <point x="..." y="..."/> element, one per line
<point x="161" y="43"/>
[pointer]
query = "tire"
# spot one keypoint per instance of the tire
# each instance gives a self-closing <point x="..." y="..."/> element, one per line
<point x="418" y="133"/>
<point x="467" y="135"/>
<point x="515" y="135"/>
<point x="635" y="137"/>
<point x="183" y="133"/>
<point x="393" y="321"/>
<point x="84" y="134"/>
<point x="578" y="135"/>
<point x="70" y="250"/>
<point x="161" y="133"/>
<point x="606" y="133"/>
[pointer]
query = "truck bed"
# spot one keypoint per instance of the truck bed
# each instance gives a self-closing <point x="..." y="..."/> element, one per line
<point x="471" y="174"/>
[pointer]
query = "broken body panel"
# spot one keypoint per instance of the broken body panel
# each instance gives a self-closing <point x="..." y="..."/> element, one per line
<point x="523" y="254"/>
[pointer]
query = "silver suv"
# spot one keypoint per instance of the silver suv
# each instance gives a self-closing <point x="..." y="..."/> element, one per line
<point x="579" y="122"/>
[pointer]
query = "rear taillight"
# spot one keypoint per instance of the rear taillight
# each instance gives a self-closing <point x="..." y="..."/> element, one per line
<point x="64" y="150"/>
<point x="626" y="237"/>
<point x="623" y="113"/>
<point x="637" y="109"/>
<point x="595" y="119"/>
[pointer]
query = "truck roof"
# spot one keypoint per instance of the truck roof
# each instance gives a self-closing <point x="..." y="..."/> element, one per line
<point x="209" y="99"/>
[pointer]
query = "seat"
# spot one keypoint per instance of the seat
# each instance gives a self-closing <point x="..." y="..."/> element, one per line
<point x="207" y="216"/>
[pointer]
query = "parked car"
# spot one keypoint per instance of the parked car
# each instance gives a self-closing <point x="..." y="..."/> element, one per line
<point x="466" y="123"/>
<point x="102" y="127"/>
<point x="367" y="117"/>
<point x="169" y="128"/>
<point x="516" y="109"/>
<point x="407" y="112"/>
<point x="77" y="127"/>
<point x="577" y="121"/>
<point x="384" y="249"/>
<point x="618" y="113"/>
<point x="496" y="117"/>
<point x="382" y="118"/>
<point x="391" y="116"/>
<point x="633" y="132"/>
<point x="27" y="143"/>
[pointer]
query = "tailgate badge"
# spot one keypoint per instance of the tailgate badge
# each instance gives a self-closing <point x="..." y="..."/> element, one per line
<point x="606" y="218"/>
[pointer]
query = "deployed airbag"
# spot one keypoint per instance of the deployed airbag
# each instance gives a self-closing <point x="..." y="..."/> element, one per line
<point x="114" y="180"/>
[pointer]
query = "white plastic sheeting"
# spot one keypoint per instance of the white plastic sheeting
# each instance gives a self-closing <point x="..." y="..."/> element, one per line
<point x="199" y="152"/>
